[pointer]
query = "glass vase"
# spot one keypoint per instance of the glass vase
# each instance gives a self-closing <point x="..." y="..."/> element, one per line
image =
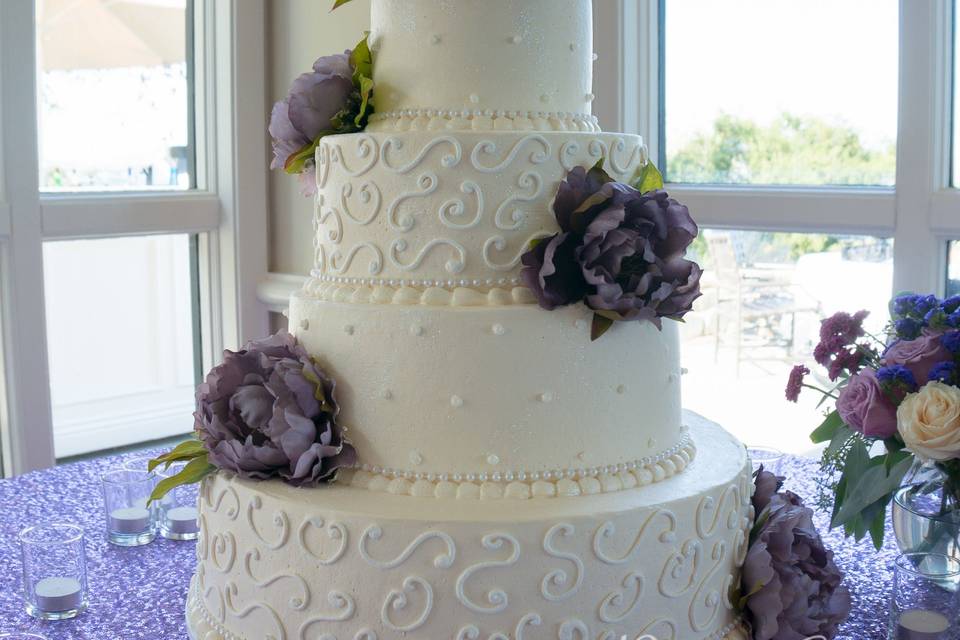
<point x="926" y="513"/>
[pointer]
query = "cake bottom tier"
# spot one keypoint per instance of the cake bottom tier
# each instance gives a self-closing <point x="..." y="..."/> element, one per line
<point x="343" y="563"/>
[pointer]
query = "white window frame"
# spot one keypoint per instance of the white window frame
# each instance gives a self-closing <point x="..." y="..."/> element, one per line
<point x="229" y="213"/>
<point x="920" y="213"/>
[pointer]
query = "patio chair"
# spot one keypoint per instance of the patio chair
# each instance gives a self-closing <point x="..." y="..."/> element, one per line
<point x="759" y="303"/>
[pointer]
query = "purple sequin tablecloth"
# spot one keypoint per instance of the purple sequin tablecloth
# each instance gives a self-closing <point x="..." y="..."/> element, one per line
<point x="139" y="593"/>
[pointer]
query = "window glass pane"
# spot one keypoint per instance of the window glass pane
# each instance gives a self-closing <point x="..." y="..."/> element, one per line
<point x="121" y="340"/>
<point x="764" y="295"/>
<point x="113" y="95"/>
<point x="776" y="92"/>
<point x="953" y="268"/>
<point x="956" y="98"/>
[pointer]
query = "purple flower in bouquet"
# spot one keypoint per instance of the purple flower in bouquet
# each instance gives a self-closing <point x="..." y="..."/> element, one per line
<point x="919" y="355"/>
<point x="864" y="408"/>
<point x="793" y="587"/>
<point x="951" y="342"/>
<point x="269" y="410"/>
<point x="795" y="382"/>
<point x="838" y="349"/>
<point x="945" y="372"/>
<point x="618" y="250"/>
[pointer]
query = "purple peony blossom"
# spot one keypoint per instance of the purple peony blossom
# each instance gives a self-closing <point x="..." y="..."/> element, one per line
<point x="795" y="382"/>
<point x="619" y="251"/>
<point x="309" y="110"/>
<point x="766" y="486"/>
<point x="793" y="589"/>
<point x="919" y="355"/>
<point x="864" y="407"/>
<point x="269" y="410"/>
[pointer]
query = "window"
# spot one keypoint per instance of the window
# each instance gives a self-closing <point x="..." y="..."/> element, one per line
<point x="786" y="128"/>
<point x="953" y="268"/>
<point x="775" y="92"/>
<point x="764" y="295"/>
<point x="128" y="300"/>
<point x="956" y="99"/>
<point x="113" y="95"/>
<point x="121" y="221"/>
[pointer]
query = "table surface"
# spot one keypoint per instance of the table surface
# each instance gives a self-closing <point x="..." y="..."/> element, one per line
<point x="139" y="593"/>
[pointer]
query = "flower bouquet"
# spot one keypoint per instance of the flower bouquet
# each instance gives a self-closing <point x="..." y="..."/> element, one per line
<point x="897" y="407"/>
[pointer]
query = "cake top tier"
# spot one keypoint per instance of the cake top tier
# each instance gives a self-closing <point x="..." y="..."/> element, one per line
<point x="520" y="57"/>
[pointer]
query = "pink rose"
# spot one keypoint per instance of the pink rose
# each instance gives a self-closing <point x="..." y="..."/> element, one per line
<point x="864" y="408"/>
<point x="919" y="355"/>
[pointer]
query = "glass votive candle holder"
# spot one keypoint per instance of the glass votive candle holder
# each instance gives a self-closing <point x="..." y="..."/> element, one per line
<point x="925" y="603"/>
<point x="142" y="463"/>
<point x="769" y="457"/>
<point x="177" y="514"/>
<point x="130" y="523"/>
<point x="54" y="570"/>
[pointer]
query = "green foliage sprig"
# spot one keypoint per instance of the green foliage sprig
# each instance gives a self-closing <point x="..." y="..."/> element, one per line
<point x="197" y="468"/>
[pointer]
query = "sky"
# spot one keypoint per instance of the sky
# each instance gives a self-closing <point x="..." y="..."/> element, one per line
<point x="835" y="59"/>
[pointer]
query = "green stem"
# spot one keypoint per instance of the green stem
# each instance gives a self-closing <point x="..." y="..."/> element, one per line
<point x="816" y="388"/>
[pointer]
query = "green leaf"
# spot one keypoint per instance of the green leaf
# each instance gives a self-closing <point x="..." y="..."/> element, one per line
<point x="184" y="451"/>
<point x="649" y="178"/>
<point x="599" y="326"/>
<point x="361" y="59"/>
<point x="339" y="3"/>
<point x="827" y="429"/>
<point x="193" y="472"/>
<point x="895" y="457"/>
<point x="878" y="522"/>
<point x="366" y="102"/>
<point x="840" y="438"/>
<point x="873" y="484"/>
<point x="296" y="162"/>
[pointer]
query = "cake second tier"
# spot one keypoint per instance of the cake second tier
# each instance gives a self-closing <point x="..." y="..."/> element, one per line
<point x="498" y="401"/>
<point x="446" y="209"/>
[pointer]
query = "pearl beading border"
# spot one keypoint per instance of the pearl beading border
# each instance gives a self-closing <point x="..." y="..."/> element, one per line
<point x="526" y="484"/>
<point x="417" y="283"/>
<point x="485" y="113"/>
<point x="197" y="613"/>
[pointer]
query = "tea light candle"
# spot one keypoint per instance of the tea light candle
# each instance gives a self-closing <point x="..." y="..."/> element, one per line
<point x="182" y="520"/>
<point x="919" y="624"/>
<point x="132" y="520"/>
<point x="58" y="594"/>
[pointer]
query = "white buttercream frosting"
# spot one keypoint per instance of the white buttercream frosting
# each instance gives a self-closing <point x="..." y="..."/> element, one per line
<point x="338" y="562"/>
<point x="537" y="393"/>
<point x="425" y="209"/>
<point x="511" y="56"/>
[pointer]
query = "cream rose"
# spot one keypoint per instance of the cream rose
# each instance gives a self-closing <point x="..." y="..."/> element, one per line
<point x="929" y="422"/>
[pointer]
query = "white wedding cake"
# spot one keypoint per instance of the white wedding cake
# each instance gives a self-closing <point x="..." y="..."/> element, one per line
<point x="514" y="479"/>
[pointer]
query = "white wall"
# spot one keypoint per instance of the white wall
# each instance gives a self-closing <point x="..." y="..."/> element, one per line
<point x="300" y="31"/>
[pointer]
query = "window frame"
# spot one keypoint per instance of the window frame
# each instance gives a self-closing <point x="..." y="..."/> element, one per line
<point x="920" y="212"/>
<point x="229" y="106"/>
